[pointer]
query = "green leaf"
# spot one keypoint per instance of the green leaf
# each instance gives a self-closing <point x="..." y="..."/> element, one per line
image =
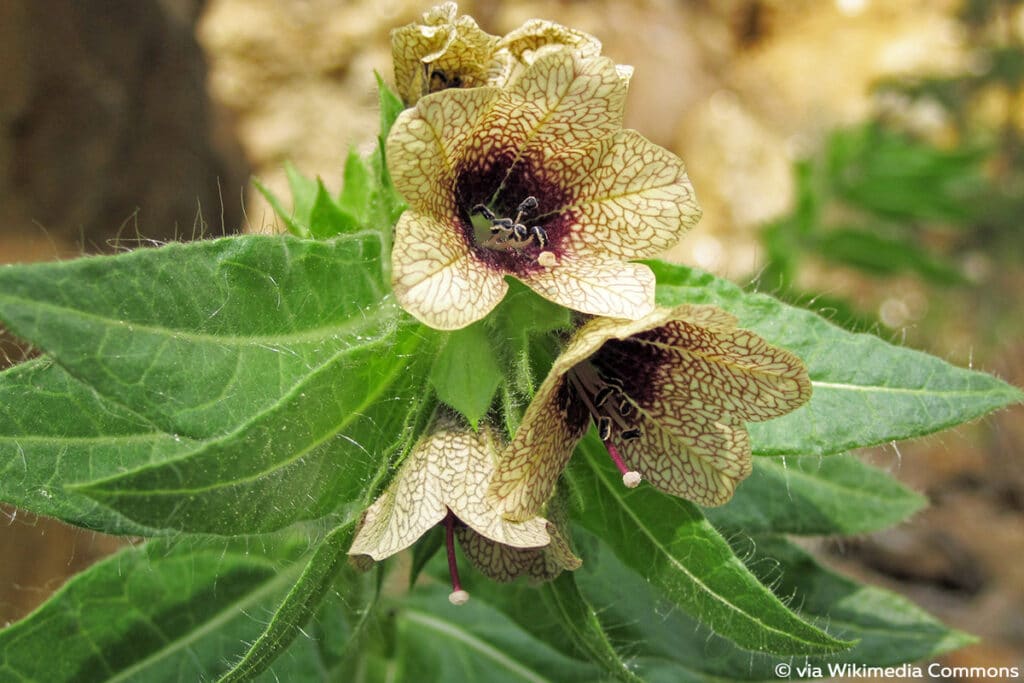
<point x="437" y="641"/>
<point x="424" y="551"/>
<point x="390" y="105"/>
<point x="884" y="255"/>
<point x="250" y="364"/>
<point x="160" y="612"/>
<point x="519" y="327"/>
<point x="169" y="331"/>
<point x="669" y="542"/>
<point x="295" y="227"/>
<point x="866" y="391"/>
<point x="304" y="193"/>
<point x="313" y="452"/>
<point x="466" y="373"/>
<point x="553" y="612"/>
<point x="888" y="628"/>
<point x="387" y="205"/>
<point x="55" y="430"/>
<point x="327" y="218"/>
<point x="581" y="621"/>
<point x="671" y="647"/>
<point x="523" y="313"/>
<point x="813" y="495"/>
<point x="356" y="189"/>
<point x="298" y="606"/>
<point x="894" y="175"/>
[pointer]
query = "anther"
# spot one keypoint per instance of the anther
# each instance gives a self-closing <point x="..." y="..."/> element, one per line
<point x="604" y="428"/>
<point x="631" y="434"/>
<point x="521" y="232"/>
<point x="602" y="396"/>
<point x="540" y="235"/>
<point x="625" y="408"/>
<point x="528" y="204"/>
<point x="483" y="211"/>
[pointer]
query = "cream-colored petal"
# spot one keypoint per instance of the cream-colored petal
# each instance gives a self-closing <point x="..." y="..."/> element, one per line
<point x="406" y="510"/>
<point x="427" y="143"/>
<point x="702" y="379"/>
<point x="578" y="100"/>
<point x="447" y="470"/>
<point x="708" y="365"/>
<point x="444" y="49"/>
<point x="598" y="287"/>
<point x="690" y="456"/>
<point x="436" y="278"/>
<point x="537" y="33"/>
<point x="595" y="332"/>
<point x="470" y="459"/>
<point x="557" y="102"/>
<point x="529" y="466"/>
<point x="531" y="41"/>
<point x="630" y="198"/>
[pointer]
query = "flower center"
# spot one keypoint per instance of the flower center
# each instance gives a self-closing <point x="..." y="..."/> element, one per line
<point x="610" y="409"/>
<point x="503" y="233"/>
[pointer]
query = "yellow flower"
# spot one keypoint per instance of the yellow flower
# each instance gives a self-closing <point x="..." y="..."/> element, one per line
<point x="669" y="395"/>
<point x="445" y="50"/>
<point x="537" y="180"/>
<point x="443" y="481"/>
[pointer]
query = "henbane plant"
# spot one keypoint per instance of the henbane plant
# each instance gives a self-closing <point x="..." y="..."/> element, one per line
<point x="460" y="346"/>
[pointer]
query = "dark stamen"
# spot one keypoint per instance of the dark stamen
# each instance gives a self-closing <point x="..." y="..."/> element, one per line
<point x="602" y="396"/>
<point x="512" y="233"/>
<point x="588" y="385"/>
<point x="457" y="596"/>
<point x="625" y="408"/>
<point x="483" y="211"/>
<point x="540" y="235"/>
<point x="528" y="204"/>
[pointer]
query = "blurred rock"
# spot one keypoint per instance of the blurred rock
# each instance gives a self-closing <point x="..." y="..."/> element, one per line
<point x="105" y="127"/>
<point x="298" y="79"/>
<point x="106" y="134"/>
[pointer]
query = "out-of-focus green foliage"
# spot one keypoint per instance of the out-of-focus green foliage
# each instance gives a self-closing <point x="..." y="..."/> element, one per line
<point x="884" y="199"/>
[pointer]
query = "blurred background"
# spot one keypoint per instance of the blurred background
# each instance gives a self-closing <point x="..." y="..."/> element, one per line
<point x="859" y="157"/>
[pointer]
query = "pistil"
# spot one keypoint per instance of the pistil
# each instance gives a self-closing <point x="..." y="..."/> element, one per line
<point x="457" y="596"/>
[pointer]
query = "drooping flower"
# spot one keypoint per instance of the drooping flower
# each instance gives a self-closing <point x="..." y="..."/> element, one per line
<point x="669" y="395"/>
<point x="539" y="181"/>
<point x="445" y="50"/>
<point x="443" y="481"/>
<point x="536" y="38"/>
